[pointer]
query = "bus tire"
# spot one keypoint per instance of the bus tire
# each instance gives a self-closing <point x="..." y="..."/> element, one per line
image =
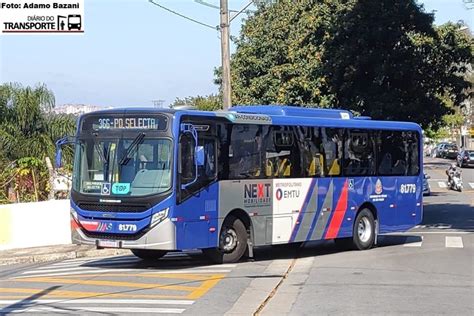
<point x="148" y="254"/>
<point x="364" y="230"/>
<point x="232" y="242"/>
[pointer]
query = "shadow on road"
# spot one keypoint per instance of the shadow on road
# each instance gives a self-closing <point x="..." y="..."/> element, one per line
<point x="449" y="215"/>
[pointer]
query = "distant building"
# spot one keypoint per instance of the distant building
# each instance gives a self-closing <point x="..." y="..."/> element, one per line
<point x="78" y="109"/>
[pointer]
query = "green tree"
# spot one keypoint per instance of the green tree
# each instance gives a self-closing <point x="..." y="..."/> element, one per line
<point x="28" y="131"/>
<point x="381" y="58"/>
<point x="210" y="102"/>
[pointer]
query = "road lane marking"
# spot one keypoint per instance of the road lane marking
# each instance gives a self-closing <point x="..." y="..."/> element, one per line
<point x="454" y="242"/>
<point x="442" y="184"/>
<point x="41" y="309"/>
<point x="98" y="301"/>
<point x="79" y="294"/>
<point x="111" y="283"/>
<point x="413" y="241"/>
<point x="98" y="271"/>
<point x="58" y="270"/>
<point x="92" y="262"/>
<point x="471" y="184"/>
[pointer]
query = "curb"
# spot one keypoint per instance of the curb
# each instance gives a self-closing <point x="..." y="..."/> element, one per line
<point x="81" y="253"/>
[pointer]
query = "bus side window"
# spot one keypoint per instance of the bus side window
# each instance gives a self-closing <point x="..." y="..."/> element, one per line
<point x="359" y="153"/>
<point x="332" y="146"/>
<point x="398" y="153"/>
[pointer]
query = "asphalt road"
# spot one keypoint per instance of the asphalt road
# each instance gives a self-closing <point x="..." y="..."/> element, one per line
<point x="428" y="270"/>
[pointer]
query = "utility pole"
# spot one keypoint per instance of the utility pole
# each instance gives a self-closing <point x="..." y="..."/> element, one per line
<point x="225" y="53"/>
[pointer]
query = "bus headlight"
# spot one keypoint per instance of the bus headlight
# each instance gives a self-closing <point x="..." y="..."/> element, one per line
<point x="159" y="217"/>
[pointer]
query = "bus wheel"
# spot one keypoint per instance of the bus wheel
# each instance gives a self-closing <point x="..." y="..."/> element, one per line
<point x="232" y="242"/>
<point x="364" y="230"/>
<point x="148" y="254"/>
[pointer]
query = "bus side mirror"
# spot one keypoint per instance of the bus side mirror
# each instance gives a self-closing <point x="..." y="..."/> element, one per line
<point x="58" y="158"/>
<point x="59" y="152"/>
<point x="199" y="155"/>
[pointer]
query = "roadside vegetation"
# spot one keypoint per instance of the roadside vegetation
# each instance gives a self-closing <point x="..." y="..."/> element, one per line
<point x="28" y="131"/>
<point x="385" y="59"/>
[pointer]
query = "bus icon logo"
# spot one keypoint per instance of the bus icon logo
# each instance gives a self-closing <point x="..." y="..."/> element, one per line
<point x="105" y="189"/>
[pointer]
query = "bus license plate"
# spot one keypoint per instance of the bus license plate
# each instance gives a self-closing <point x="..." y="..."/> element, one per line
<point x="108" y="243"/>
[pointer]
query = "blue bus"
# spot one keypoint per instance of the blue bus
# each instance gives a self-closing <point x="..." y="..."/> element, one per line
<point x="155" y="180"/>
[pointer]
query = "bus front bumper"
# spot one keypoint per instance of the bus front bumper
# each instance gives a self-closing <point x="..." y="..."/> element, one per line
<point x="160" y="237"/>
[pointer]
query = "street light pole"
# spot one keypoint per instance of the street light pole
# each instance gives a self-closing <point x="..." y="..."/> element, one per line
<point x="225" y="52"/>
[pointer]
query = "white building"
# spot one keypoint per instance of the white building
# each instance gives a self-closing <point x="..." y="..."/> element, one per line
<point x="78" y="109"/>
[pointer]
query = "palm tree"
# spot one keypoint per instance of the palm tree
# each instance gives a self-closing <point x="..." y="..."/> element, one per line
<point x="28" y="127"/>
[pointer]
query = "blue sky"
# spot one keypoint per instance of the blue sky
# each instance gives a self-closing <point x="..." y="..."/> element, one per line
<point x="134" y="52"/>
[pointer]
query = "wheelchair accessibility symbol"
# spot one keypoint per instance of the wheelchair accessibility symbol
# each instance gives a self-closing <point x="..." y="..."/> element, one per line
<point x="351" y="184"/>
<point x="105" y="189"/>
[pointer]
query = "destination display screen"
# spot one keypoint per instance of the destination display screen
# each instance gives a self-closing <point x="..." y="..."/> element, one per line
<point x="125" y="122"/>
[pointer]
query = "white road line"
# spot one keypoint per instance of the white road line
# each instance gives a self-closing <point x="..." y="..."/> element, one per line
<point x="59" y="270"/>
<point x="95" y="263"/>
<point x="76" y="272"/>
<point x="99" y="271"/>
<point x="413" y="241"/>
<point x="442" y="184"/>
<point x="454" y="242"/>
<point x="96" y="301"/>
<point x="427" y="232"/>
<point x="471" y="184"/>
<point x="69" y="310"/>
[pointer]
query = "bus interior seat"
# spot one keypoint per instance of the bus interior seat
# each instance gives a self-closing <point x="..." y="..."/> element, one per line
<point x="315" y="166"/>
<point x="147" y="181"/>
<point x="269" y="168"/>
<point x="284" y="168"/>
<point x="335" y="168"/>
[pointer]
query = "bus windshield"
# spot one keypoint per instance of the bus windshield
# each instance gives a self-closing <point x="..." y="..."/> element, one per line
<point x="122" y="166"/>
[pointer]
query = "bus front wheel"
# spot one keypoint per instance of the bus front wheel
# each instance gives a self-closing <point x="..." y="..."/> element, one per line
<point x="148" y="254"/>
<point x="232" y="242"/>
<point x="364" y="230"/>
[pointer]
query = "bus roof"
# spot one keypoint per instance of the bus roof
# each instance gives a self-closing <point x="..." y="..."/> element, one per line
<point x="280" y="115"/>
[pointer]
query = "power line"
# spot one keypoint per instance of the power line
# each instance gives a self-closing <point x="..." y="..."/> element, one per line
<point x="210" y="5"/>
<point x="242" y="10"/>
<point x="183" y="16"/>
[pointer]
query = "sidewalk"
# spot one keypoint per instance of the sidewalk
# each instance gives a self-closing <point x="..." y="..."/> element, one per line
<point x="53" y="253"/>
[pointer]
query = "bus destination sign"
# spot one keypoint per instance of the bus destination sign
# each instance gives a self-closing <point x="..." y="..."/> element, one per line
<point x="120" y="122"/>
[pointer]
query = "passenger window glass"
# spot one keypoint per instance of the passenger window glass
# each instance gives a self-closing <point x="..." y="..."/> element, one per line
<point x="398" y="153"/>
<point x="311" y="151"/>
<point x="187" y="165"/>
<point x="245" y="152"/>
<point x="359" y="153"/>
<point x="332" y="147"/>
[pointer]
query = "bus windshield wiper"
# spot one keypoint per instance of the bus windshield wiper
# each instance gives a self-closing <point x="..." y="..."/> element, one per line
<point x="99" y="149"/>
<point x="132" y="149"/>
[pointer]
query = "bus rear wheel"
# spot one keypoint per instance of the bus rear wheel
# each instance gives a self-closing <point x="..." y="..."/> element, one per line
<point x="148" y="254"/>
<point x="232" y="242"/>
<point x="364" y="230"/>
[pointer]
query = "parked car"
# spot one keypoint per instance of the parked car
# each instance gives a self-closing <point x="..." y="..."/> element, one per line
<point x="437" y="150"/>
<point x="447" y="150"/>
<point x="466" y="158"/>
<point x="426" y="185"/>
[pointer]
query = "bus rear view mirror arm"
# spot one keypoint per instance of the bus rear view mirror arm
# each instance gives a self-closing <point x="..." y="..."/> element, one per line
<point x="59" y="143"/>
